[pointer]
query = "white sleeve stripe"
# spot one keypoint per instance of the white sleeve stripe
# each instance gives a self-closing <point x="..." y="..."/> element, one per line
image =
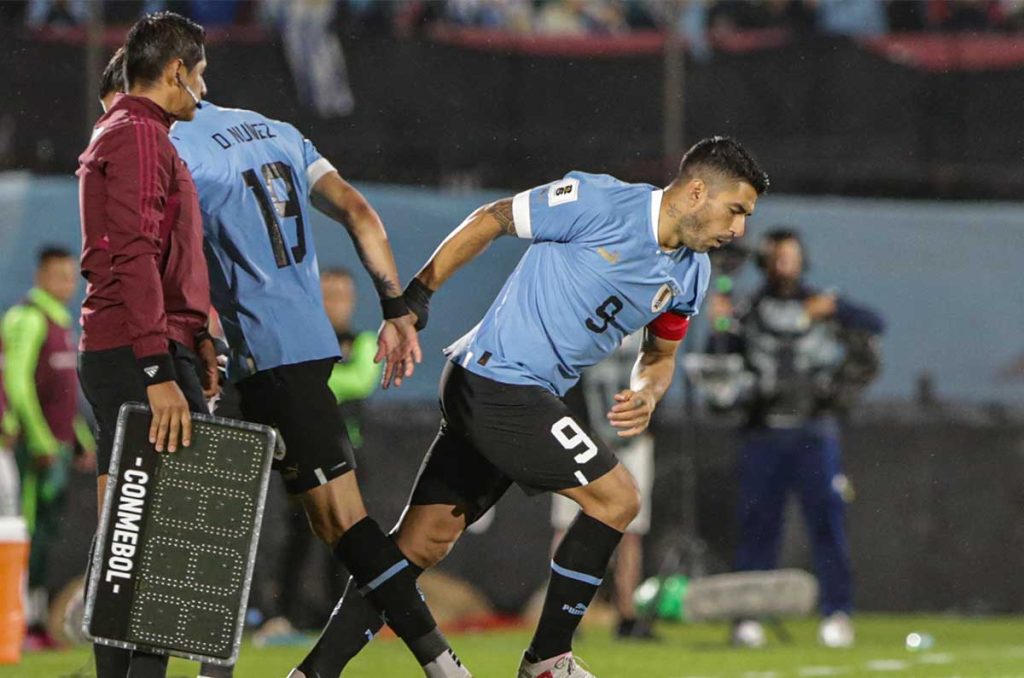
<point x="317" y="170"/>
<point x="521" y="215"/>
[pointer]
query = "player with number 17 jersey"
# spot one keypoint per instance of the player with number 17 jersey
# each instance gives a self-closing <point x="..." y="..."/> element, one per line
<point x="256" y="178"/>
<point x="253" y="175"/>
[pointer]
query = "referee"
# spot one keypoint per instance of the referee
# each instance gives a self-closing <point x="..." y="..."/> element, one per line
<point x="147" y="295"/>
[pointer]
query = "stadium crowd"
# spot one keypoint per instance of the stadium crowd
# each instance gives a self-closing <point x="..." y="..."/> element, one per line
<point x="843" y="17"/>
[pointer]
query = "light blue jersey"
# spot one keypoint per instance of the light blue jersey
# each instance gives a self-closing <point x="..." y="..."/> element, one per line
<point x="593" y="275"/>
<point x="254" y="175"/>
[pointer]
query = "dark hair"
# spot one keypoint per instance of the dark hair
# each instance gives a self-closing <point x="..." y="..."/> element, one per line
<point x="776" y="235"/>
<point x="48" y="253"/>
<point x="335" y="272"/>
<point x="724" y="156"/>
<point x="112" y="79"/>
<point x="156" y="39"/>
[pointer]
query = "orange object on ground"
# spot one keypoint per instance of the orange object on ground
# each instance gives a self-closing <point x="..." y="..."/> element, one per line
<point x="13" y="571"/>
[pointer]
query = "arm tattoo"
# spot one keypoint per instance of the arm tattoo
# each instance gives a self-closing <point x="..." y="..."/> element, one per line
<point x="385" y="287"/>
<point x="502" y="212"/>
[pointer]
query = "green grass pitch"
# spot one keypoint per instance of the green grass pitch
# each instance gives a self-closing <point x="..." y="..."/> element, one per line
<point x="986" y="647"/>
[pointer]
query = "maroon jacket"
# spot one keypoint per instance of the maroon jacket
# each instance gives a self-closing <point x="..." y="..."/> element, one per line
<point x="142" y="235"/>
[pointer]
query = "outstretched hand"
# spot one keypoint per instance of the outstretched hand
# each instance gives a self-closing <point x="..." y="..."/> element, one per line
<point x="398" y="346"/>
<point x="632" y="412"/>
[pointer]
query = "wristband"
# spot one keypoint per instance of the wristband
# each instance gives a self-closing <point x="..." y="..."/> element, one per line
<point x="417" y="297"/>
<point x="156" y="369"/>
<point x="394" y="307"/>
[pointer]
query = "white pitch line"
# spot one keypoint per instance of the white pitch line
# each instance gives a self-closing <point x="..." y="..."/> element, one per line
<point x="823" y="670"/>
<point x="887" y="665"/>
<point x="936" y="658"/>
<point x="760" y="674"/>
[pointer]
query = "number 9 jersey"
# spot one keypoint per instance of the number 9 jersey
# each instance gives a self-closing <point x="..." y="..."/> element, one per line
<point x="253" y="175"/>
<point x="593" y="275"/>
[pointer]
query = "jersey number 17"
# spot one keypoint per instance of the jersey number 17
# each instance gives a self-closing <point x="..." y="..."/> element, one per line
<point x="271" y="206"/>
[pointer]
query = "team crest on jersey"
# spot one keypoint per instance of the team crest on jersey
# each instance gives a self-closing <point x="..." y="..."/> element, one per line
<point x="564" y="191"/>
<point x="662" y="298"/>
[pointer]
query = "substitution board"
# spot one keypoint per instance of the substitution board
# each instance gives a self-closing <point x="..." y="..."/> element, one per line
<point x="174" y="553"/>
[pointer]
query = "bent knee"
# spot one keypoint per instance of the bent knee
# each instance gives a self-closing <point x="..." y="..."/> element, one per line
<point x="625" y="508"/>
<point x="327" y="528"/>
<point x="427" y="543"/>
<point x="619" y="506"/>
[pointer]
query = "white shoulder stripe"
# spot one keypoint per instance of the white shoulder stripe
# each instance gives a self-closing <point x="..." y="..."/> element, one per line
<point x="521" y="215"/>
<point x="317" y="170"/>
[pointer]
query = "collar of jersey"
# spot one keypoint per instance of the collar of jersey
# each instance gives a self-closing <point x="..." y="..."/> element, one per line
<point x="656" y="196"/>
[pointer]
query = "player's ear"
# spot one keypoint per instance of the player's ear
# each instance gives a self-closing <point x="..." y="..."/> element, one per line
<point x="696" y="191"/>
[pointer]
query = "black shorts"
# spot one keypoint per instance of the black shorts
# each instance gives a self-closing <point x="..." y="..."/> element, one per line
<point x="296" y="400"/>
<point x="111" y="378"/>
<point x="493" y="434"/>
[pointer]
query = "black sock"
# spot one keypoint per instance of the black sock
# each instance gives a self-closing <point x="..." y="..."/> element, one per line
<point x="576" y="572"/>
<point x="353" y="624"/>
<point x="388" y="581"/>
<point x="146" y="665"/>
<point x="111" y="662"/>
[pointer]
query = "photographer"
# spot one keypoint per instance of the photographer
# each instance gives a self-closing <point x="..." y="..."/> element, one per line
<point x="806" y="356"/>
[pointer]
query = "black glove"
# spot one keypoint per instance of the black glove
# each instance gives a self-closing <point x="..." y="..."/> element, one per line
<point x="417" y="298"/>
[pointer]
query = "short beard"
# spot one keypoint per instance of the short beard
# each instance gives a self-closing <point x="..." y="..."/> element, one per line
<point x="691" y="226"/>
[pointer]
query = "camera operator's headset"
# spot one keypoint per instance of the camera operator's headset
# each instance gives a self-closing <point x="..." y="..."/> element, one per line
<point x="775" y="236"/>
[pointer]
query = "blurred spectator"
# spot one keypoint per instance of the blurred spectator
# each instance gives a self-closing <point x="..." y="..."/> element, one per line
<point x="57" y="13"/>
<point x="580" y="17"/>
<point x="41" y="386"/>
<point x="206" y="12"/>
<point x="514" y="15"/>
<point x="314" y="54"/>
<point x="860" y="18"/>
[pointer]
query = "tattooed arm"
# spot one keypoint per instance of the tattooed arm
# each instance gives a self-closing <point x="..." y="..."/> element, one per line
<point x="397" y="343"/>
<point x="336" y="198"/>
<point x="465" y="243"/>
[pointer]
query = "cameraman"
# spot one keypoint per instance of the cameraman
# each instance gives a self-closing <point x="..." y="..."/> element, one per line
<point x="807" y="354"/>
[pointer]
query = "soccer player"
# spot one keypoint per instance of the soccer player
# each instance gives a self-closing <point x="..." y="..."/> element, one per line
<point x="256" y="180"/>
<point x="42" y="388"/>
<point x="352" y="380"/>
<point x="607" y="260"/>
<point x="147" y="291"/>
<point x="587" y="400"/>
